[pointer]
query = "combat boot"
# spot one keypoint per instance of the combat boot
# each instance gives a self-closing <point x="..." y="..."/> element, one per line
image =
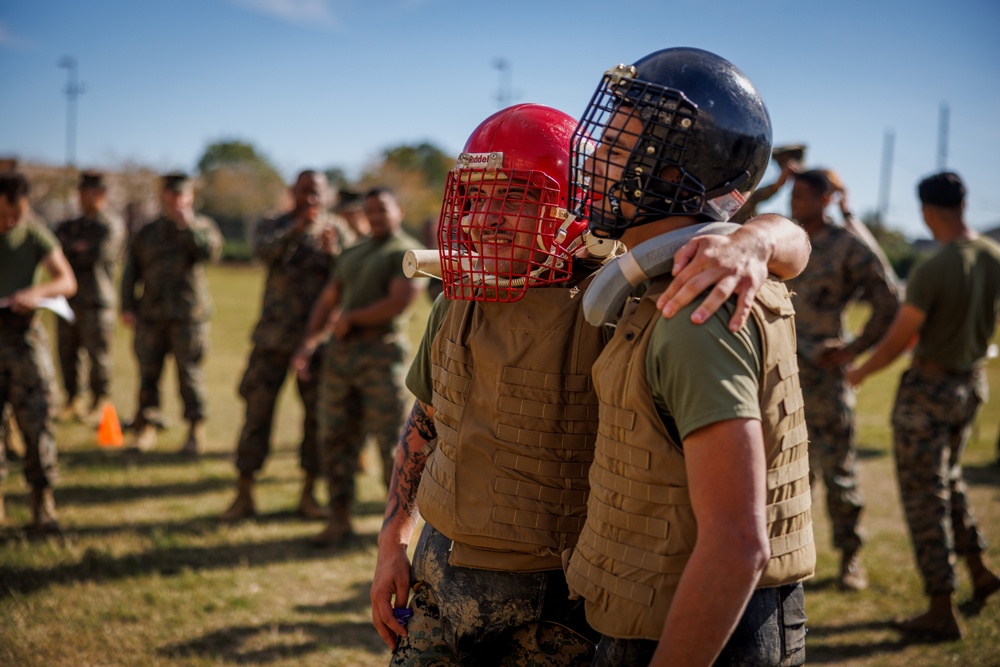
<point x="93" y="418"/>
<point x="338" y="531"/>
<point x="852" y="573"/>
<point x="242" y="507"/>
<point x="72" y="411"/>
<point x="196" y="435"/>
<point x="308" y="507"/>
<point x="43" y="510"/>
<point x="144" y="439"/>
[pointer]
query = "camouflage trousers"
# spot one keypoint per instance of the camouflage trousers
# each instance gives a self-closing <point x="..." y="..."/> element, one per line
<point x="829" y="411"/>
<point x="931" y="422"/>
<point x="262" y="381"/>
<point x="361" y="393"/>
<point x="465" y="616"/>
<point x="27" y="379"/>
<point x="188" y="343"/>
<point x="91" y="332"/>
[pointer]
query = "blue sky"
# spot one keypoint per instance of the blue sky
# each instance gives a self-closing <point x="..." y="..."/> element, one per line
<point x="333" y="82"/>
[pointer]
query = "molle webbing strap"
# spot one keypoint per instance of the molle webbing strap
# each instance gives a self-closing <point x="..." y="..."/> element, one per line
<point x="645" y="525"/>
<point x="794" y="437"/>
<point x="787" y="473"/>
<point x="456" y="352"/>
<point x="447" y="437"/>
<point x="457" y="383"/>
<point x="549" y="381"/>
<point x="791" y="507"/>
<point x="441" y="494"/>
<point x="531" y="438"/>
<point x="534" y="466"/>
<point x="654" y="493"/>
<point x="619" y="451"/>
<point x="633" y="556"/>
<point x="547" y="411"/>
<point x="792" y="402"/>
<point x="545" y="522"/>
<point x="788" y="367"/>
<point x="790" y="542"/>
<point x="545" y="494"/>
<point x="618" y="417"/>
<point x="444" y="407"/>
<point x="598" y="579"/>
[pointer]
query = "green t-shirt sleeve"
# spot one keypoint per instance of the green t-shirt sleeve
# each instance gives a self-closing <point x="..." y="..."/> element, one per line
<point x="921" y="286"/>
<point x="418" y="379"/>
<point x="44" y="240"/>
<point x="703" y="374"/>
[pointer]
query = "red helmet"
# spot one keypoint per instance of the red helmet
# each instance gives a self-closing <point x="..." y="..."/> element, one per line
<point x="504" y="223"/>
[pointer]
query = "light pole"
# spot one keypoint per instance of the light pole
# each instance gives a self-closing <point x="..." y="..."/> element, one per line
<point x="504" y="92"/>
<point x="73" y="90"/>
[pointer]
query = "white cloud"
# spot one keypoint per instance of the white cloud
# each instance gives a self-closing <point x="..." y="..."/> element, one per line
<point x="312" y="13"/>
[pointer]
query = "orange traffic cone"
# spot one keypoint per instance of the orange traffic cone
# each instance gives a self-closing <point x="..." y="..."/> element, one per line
<point x="109" y="432"/>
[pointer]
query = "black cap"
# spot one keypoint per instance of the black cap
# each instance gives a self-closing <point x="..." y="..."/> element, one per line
<point x="176" y="181"/>
<point x="93" y="180"/>
<point x="349" y="200"/>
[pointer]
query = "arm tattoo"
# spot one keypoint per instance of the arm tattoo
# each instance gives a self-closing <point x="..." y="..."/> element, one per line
<point x="411" y="455"/>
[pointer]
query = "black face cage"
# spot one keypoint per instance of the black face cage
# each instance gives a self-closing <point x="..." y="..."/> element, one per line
<point x="654" y="179"/>
<point x="496" y="235"/>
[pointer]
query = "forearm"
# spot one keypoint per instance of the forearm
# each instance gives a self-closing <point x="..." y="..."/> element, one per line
<point x="385" y="310"/>
<point x="785" y="245"/>
<point x="905" y="326"/>
<point x="62" y="280"/>
<point x="711" y="596"/>
<point x="411" y="456"/>
<point x="316" y="329"/>
<point x="884" y="307"/>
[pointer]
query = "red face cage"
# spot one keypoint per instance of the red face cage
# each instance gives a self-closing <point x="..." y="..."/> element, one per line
<point x="501" y="231"/>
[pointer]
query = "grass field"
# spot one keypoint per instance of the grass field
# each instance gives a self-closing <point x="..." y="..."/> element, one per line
<point x="146" y="575"/>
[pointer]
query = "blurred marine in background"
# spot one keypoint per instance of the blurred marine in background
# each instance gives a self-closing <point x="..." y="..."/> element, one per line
<point x="93" y="245"/>
<point x="26" y="373"/>
<point x="298" y="249"/>
<point x="166" y="259"/>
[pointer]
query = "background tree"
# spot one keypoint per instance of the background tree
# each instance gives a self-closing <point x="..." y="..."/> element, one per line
<point x="898" y="250"/>
<point x="416" y="173"/>
<point x="238" y="187"/>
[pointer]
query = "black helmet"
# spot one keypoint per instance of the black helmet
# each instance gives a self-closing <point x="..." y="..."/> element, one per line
<point x="704" y="142"/>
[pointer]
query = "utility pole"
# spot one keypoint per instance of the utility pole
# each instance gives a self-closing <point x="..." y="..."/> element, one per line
<point x="73" y="91"/>
<point x="504" y="92"/>
<point x="883" y="198"/>
<point x="942" y="156"/>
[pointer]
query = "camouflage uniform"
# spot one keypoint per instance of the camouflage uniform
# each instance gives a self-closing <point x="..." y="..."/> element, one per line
<point x="361" y="386"/>
<point x="172" y="313"/>
<point x="841" y="268"/>
<point x="26" y="372"/>
<point x="92" y="246"/>
<point x="298" y="268"/>
<point x="937" y="402"/>
<point x="518" y="618"/>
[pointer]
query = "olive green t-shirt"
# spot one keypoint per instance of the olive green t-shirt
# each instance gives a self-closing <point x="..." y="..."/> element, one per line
<point x="958" y="290"/>
<point x="418" y="378"/>
<point x="703" y="374"/>
<point x="366" y="269"/>
<point x="22" y="251"/>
